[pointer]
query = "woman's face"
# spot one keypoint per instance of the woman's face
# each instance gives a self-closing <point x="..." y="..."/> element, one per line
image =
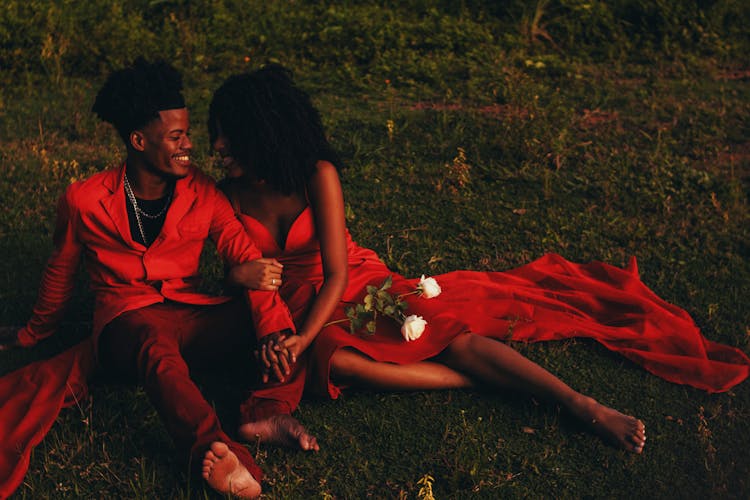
<point x="232" y="168"/>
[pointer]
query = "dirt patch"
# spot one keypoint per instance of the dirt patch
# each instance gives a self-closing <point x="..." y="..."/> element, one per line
<point x="735" y="154"/>
<point x="494" y="110"/>
<point x="593" y="118"/>
<point x="734" y="74"/>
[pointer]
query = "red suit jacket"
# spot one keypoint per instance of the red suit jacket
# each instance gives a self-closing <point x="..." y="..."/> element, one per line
<point x="125" y="275"/>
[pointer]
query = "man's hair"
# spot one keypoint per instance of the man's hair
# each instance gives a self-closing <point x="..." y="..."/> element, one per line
<point x="272" y="127"/>
<point x="133" y="96"/>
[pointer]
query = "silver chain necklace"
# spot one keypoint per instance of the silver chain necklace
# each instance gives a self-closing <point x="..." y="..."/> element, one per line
<point x="139" y="211"/>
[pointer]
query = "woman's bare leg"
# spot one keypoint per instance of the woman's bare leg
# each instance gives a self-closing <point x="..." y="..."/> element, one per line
<point x="352" y="368"/>
<point x="498" y="364"/>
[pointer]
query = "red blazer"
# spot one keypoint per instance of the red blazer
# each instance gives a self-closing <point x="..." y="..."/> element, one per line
<point x="125" y="275"/>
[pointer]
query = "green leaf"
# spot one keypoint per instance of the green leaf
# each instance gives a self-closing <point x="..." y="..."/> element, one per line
<point x="387" y="283"/>
<point x="356" y="324"/>
<point x="370" y="327"/>
<point x="368" y="303"/>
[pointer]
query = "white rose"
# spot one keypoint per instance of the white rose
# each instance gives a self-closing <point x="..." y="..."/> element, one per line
<point x="413" y="327"/>
<point x="429" y="287"/>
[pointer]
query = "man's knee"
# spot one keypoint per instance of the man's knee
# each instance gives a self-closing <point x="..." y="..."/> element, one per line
<point x="136" y="341"/>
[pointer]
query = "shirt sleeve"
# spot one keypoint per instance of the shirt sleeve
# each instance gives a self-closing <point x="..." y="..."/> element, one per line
<point x="58" y="279"/>
<point x="270" y="312"/>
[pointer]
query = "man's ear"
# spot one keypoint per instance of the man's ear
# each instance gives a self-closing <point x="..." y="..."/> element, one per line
<point x="137" y="140"/>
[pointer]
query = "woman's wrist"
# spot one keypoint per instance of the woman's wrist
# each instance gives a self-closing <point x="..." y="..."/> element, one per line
<point x="305" y="338"/>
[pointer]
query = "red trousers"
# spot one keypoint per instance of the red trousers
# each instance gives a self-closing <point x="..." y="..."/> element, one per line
<point x="157" y="345"/>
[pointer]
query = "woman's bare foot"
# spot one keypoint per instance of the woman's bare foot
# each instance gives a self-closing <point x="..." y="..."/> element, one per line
<point x="282" y="430"/>
<point x="223" y="471"/>
<point x="621" y="430"/>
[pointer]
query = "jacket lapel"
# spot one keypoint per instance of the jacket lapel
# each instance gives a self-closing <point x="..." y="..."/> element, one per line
<point x="114" y="205"/>
<point x="182" y="201"/>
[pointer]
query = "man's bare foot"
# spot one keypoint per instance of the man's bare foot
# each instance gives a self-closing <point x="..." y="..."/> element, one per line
<point x="282" y="430"/>
<point x="223" y="471"/>
<point x="621" y="430"/>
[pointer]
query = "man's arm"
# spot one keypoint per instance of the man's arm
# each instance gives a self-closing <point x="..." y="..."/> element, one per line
<point x="58" y="279"/>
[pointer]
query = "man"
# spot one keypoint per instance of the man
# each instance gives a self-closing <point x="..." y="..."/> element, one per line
<point x="142" y="227"/>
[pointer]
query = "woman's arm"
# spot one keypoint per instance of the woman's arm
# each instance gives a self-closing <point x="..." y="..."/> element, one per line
<point x="327" y="203"/>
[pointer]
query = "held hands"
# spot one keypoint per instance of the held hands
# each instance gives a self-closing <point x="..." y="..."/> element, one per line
<point x="278" y="353"/>
<point x="9" y="337"/>
<point x="275" y="359"/>
<point x="259" y="274"/>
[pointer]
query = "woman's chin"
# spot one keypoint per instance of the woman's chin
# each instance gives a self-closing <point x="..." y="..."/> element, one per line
<point x="233" y="172"/>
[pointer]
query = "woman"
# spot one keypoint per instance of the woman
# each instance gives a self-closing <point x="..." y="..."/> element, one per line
<point x="283" y="180"/>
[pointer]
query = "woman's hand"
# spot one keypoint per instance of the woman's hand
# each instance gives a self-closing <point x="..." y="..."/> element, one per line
<point x="258" y="274"/>
<point x="9" y="337"/>
<point x="296" y="345"/>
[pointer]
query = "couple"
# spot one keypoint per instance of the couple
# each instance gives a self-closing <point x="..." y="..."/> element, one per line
<point x="280" y="227"/>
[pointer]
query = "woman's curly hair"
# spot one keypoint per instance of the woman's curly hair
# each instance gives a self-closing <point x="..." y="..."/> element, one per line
<point x="272" y="127"/>
<point x="133" y="96"/>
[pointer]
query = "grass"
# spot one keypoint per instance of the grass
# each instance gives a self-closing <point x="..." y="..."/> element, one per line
<point x="501" y="147"/>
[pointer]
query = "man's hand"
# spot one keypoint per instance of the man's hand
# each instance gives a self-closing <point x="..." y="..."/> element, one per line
<point x="275" y="359"/>
<point x="9" y="337"/>
<point x="258" y="274"/>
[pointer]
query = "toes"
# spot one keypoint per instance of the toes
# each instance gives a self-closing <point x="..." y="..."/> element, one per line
<point x="639" y="440"/>
<point x="209" y="459"/>
<point x="219" y="449"/>
<point x="635" y="446"/>
<point x="308" y="442"/>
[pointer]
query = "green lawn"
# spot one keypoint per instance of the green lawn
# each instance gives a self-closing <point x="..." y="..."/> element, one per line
<point x="475" y="137"/>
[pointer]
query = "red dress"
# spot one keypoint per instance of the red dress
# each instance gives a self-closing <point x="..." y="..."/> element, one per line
<point x="548" y="299"/>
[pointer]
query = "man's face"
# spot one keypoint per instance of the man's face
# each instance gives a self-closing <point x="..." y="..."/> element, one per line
<point x="166" y="144"/>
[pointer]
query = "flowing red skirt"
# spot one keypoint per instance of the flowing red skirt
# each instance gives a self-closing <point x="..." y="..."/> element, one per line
<point x="548" y="299"/>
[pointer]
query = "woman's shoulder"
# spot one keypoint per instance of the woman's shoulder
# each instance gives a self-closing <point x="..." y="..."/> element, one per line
<point x="324" y="177"/>
<point x="325" y="171"/>
<point x="325" y="166"/>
